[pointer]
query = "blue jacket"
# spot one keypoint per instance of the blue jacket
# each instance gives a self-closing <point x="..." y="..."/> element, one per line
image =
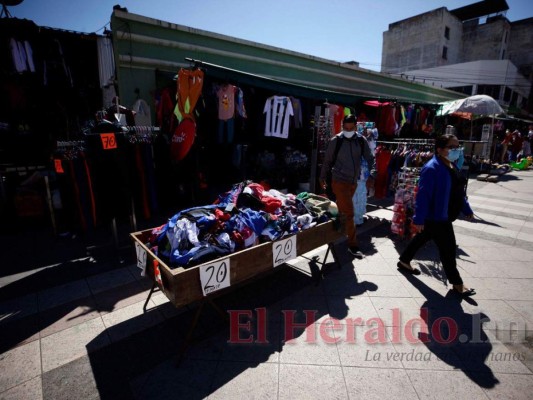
<point x="434" y="193"/>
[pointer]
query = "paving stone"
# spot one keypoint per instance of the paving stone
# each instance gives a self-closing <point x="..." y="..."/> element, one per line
<point x="109" y="280"/>
<point x="67" y="345"/>
<point x="31" y="389"/>
<point x="368" y="384"/>
<point x="511" y="386"/>
<point x="257" y="351"/>
<point x="18" y="332"/>
<point x="370" y="349"/>
<point x="351" y="307"/>
<point x="63" y="294"/>
<point x="190" y="380"/>
<point x="384" y="286"/>
<point x="131" y="319"/>
<point x="73" y="380"/>
<point x="396" y="311"/>
<point x="17" y="308"/>
<point x="307" y="345"/>
<point x="311" y="381"/>
<point x="19" y="365"/>
<point x="67" y="315"/>
<point x="245" y="381"/>
<point x="524" y="307"/>
<point x="448" y="384"/>
<point x="113" y="299"/>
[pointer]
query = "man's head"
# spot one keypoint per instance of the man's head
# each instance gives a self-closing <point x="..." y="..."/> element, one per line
<point x="348" y="123"/>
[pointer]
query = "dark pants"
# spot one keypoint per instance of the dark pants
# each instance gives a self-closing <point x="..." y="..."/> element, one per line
<point x="444" y="237"/>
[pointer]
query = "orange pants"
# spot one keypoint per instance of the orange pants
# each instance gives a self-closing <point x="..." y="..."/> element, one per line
<point x="190" y="83"/>
<point x="344" y="193"/>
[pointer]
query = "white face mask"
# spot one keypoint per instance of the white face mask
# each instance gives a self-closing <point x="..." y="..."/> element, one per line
<point x="348" y="134"/>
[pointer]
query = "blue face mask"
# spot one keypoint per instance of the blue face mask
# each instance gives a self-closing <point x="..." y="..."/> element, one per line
<point x="454" y="154"/>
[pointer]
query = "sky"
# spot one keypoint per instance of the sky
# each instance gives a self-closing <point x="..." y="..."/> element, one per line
<point x="338" y="30"/>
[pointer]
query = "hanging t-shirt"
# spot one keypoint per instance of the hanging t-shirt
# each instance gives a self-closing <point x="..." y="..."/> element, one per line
<point x="337" y="113"/>
<point x="143" y="115"/>
<point x="297" y="108"/>
<point x="278" y="110"/>
<point x="226" y="102"/>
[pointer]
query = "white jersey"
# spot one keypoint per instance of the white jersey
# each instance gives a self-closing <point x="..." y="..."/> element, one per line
<point x="278" y="110"/>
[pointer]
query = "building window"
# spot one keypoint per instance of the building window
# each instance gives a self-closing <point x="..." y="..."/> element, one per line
<point x="490" y="90"/>
<point x="462" y="89"/>
<point x="505" y="37"/>
<point x="445" y="52"/>
<point x="507" y="95"/>
<point x="447" y="32"/>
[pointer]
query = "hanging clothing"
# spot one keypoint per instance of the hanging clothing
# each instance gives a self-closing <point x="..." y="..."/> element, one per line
<point x="297" y="108"/>
<point x="360" y="195"/>
<point x="189" y="86"/>
<point x="278" y="110"/>
<point x="226" y="102"/>
<point x="142" y="113"/>
<point x="383" y="157"/>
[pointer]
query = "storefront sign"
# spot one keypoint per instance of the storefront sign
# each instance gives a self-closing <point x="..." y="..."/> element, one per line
<point x="215" y="276"/>
<point x="283" y="251"/>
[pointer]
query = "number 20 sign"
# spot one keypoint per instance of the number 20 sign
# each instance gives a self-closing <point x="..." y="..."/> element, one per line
<point x="283" y="251"/>
<point x="215" y="276"/>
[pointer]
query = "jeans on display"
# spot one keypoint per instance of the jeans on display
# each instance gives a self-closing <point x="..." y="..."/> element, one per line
<point x="359" y="202"/>
<point x="230" y="127"/>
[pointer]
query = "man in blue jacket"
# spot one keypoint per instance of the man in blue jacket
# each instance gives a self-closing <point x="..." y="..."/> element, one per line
<point x="440" y="199"/>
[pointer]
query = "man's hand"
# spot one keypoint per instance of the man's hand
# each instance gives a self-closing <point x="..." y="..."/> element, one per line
<point x="323" y="184"/>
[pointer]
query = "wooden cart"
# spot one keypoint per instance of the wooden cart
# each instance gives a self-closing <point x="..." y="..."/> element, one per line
<point x="206" y="281"/>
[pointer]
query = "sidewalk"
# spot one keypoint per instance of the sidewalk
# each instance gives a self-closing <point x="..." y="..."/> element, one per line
<point x="89" y="338"/>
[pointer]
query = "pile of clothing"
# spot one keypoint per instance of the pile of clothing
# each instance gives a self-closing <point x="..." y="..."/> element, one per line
<point x="245" y="216"/>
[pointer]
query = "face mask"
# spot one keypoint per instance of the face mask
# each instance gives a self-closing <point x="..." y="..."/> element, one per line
<point x="454" y="154"/>
<point x="348" y="134"/>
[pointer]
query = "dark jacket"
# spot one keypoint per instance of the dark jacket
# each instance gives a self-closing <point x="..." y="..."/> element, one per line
<point x="347" y="167"/>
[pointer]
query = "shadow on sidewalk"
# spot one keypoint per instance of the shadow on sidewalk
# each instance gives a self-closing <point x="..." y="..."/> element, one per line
<point x="454" y="336"/>
<point x="144" y="365"/>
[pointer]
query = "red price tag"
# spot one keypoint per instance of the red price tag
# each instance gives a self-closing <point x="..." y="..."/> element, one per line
<point x="108" y="141"/>
<point x="58" y="166"/>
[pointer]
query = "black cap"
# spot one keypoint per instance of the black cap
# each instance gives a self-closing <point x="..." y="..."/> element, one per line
<point x="349" y="119"/>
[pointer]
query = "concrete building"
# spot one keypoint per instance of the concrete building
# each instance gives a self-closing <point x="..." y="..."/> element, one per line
<point x="473" y="49"/>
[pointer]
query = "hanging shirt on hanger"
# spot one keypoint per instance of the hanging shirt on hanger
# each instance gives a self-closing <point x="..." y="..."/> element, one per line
<point x="297" y="108"/>
<point x="143" y="115"/>
<point x="278" y="110"/>
<point x="226" y="102"/>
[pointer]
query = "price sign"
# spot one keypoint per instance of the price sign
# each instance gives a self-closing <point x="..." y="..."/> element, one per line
<point x="141" y="258"/>
<point x="109" y="141"/>
<point x="215" y="276"/>
<point x="58" y="166"/>
<point x="283" y="251"/>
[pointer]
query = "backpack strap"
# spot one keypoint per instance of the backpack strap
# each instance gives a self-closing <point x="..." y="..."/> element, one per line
<point x="336" y="153"/>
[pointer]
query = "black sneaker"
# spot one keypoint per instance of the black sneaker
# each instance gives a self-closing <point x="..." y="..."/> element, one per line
<point x="354" y="251"/>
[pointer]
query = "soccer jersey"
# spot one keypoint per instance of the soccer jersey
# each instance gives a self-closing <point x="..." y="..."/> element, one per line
<point x="278" y="110"/>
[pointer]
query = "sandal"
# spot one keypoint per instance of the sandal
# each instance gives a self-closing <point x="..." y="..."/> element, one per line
<point x="403" y="267"/>
<point x="466" y="293"/>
